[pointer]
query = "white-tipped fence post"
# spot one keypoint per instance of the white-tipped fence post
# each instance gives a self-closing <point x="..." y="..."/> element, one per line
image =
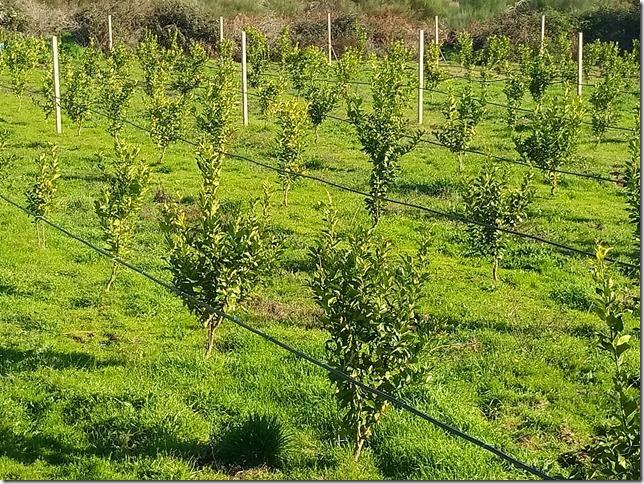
<point x="421" y="73"/>
<point x="244" y="82"/>
<point x="436" y="30"/>
<point x="54" y="53"/>
<point x="328" y="31"/>
<point x="580" y="63"/>
<point x="543" y="30"/>
<point x="109" y="32"/>
<point x="221" y="29"/>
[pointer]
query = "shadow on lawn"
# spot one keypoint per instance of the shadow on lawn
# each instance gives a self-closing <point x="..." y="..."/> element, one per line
<point x="15" y="360"/>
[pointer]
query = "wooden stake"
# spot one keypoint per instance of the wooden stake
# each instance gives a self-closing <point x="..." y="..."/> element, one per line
<point x="328" y="30"/>
<point x="221" y="29"/>
<point x="244" y="81"/>
<point x="54" y="53"/>
<point x="436" y="30"/>
<point x="580" y="63"/>
<point x="543" y="30"/>
<point x="109" y="31"/>
<point x="421" y="73"/>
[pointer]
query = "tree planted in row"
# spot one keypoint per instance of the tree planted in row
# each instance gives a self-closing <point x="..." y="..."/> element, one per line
<point x="493" y="206"/>
<point x="40" y="195"/>
<point x="370" y="307"/>
<point x="383" y="132"/>
<point x="120" y="200"/>
<point x="292" y="121"/>
<point x="553" y="138"/>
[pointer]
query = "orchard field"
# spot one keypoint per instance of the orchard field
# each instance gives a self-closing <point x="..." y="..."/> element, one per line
<point x="114" y="384"/>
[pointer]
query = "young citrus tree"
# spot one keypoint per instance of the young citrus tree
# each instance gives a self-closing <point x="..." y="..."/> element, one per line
<point x="188" y="69"/>
<point x="383" y="132"/>
<point x="41" y="193"/>
<point x="257" y="54"/>
<point x="615" y="453"/>
<point x="462" y="114"/>
<point x="560" y="49"/>
<point x="493" y="206"/>
<point x="553" y="135"/>
<point x="268" y="94"/>
<point x="80" y="80"/>
<point x="167" y="118"/>
<point x="604" y="99"/>
<point x="21" y="57"/>
<point x="434" y="73"/>
<point x="7" y="161"/>
<point x="217" y="102"/>
<point x="156" y="63"/>
<point x="120" y="201"/>
<point x="465" y="51"/>
<point x="537" y="67"/>
<point x="370" y="307"/>
<point x="291" y="117"/>
<point x="496" y="53"/>
<point x="221" y="257"/>
<point x="632" y="180"/>
<point x="514" y="90"/>
<point x="116" y="87"/>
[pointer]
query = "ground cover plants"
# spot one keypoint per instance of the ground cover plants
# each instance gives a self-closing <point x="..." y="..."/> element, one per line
<point x="542" y="362"/>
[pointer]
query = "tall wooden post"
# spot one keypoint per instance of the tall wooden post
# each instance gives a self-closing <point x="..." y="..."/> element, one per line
<point x="221" y="29"/>
<point x="543" y="31"/>
<point x="244" y="82"/>
<point x="328" y="30"/>
<point x="436" y="30"/>
<point x="421" y="73"/>
<point x="54" y="53"/>
<point x="580" y="63"/>
<point x="109" y="32"/>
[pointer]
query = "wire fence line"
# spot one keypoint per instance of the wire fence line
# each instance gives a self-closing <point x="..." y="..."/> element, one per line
<point x="454" y="217"/>
<point x="397" y="402"/>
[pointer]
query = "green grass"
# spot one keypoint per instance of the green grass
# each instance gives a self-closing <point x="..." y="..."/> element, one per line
<point x="97" y="385"/>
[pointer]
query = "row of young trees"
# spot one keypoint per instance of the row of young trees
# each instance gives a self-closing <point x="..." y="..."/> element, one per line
<point x="370" y="302"/>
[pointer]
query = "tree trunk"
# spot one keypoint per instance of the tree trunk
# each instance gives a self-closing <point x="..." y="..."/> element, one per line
<point x="495" y="269"/>
<point x="212" y="323"/>
<point x="358" y="445"/>
<point x="112" y="276"/>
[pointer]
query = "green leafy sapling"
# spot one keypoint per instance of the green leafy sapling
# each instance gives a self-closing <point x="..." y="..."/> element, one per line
<point x="188" y="69"/>
<point x="383" y="131"/>
<point x="80" y="81"/>
<point x="615" y="453"/>
<point x="492" y="206"/>
<point x="465" y="51"/>
<point x="221" y="257"/>
<point x="156" y="63"/>
<point x="120" y="201"/>
<point x="604" y="99"/>
<point x="632" y="181"/>
<point x="462" y="114"/>
<point x="434" y="74"/>
<point x="218" y="101"/>
<point x="291" y="118"/>
<point x="370" y="307"/>
<point x="7" y="161"/>
<point x="257" y="55"/>
<point x="537" y="67"/>
<point x="268" y="93"/>
<point x="116" y="87"/>
<point x="560" y="50"/>
<point x="40" y="195"/>
<point x="167" y="119"/>
<point x="514" y="89"/>
<point x="21" y="57"/>
<point x="496" y="53"/>
<point x="553" y="137"/>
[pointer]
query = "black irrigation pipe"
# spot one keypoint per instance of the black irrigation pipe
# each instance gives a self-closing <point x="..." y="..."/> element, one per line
<point x="300" y="354"/>
<point x="436" y="213"/>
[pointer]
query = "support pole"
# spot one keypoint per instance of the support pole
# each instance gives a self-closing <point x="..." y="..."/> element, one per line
<point x="436" y="30"/>
<point x="543" y="30"/>
<point x="221" y="29"/>
<point x="244" y="81"/>
<point x="54" y="53"/>
<point x="421" y="73"/>
<point x="109" y="32"/>
<point x="328" y="30"/>
<point x="580" y="63"/>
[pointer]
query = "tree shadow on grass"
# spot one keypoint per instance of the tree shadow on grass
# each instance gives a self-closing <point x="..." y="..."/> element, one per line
<point x="17" y="360"/>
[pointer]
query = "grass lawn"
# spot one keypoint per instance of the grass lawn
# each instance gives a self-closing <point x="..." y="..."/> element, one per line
<point x="114" y="385"/>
